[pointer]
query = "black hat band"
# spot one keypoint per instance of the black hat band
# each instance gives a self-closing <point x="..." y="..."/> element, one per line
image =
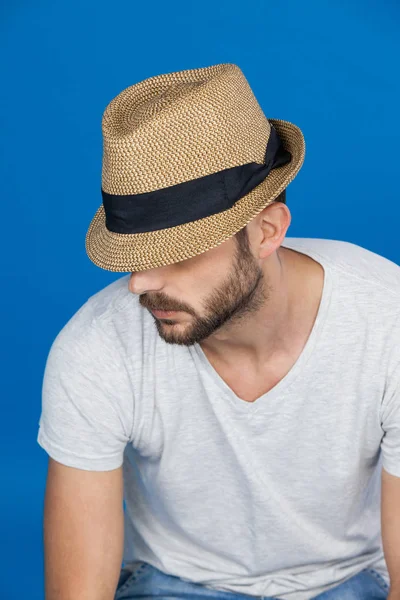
<point x="191" y="200"/>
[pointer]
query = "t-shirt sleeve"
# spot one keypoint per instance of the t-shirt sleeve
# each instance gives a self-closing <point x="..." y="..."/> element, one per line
<point x="390" y="415"/>
<point x="87" y="400"/>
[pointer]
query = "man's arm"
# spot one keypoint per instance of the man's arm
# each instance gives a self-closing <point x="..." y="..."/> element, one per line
<point x="390" y="513"/>
<point x="83" y="533"/>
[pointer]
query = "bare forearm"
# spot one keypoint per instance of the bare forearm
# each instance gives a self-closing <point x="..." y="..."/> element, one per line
<point x="74" y="572"/>
<point x="390" y="510"/>
<point x="83" y="534"/>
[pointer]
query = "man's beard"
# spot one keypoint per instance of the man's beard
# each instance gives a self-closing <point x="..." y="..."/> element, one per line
<point x="242" y="293"/>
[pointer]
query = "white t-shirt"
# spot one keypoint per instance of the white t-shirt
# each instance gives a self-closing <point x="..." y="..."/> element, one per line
<point x="279" y="497"/>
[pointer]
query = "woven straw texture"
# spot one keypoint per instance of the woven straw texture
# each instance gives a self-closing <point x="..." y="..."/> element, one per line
<point x="177" y="127"/>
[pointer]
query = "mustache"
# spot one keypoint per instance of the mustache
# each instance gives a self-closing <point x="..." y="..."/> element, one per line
<point x="159" y="306"/>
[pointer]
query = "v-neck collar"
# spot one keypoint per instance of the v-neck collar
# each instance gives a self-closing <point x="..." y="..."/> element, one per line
<point x="251" y="407"/>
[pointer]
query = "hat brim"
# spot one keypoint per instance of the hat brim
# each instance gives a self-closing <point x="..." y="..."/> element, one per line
<point x="129" y="252"/>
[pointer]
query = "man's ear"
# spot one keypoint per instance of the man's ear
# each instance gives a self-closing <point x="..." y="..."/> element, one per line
<point x="273" y="224"/>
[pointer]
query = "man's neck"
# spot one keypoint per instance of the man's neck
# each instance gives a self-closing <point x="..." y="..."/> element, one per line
<point x="282" y="325"/>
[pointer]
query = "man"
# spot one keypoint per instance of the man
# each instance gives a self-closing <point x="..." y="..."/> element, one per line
<point x="254" y="428"/>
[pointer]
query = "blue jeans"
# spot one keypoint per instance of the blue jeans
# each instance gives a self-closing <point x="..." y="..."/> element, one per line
<point x="145" y="581"/>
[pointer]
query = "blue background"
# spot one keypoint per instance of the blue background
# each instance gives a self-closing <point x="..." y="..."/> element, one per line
<point x="330" y="67"/>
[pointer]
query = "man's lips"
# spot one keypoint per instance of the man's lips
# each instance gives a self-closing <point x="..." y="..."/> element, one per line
<point x="164" y="313"/>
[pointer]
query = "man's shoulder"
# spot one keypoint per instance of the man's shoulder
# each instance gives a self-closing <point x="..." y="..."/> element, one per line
<point x="360" y="264"/>
<point x="98" y="317"/>
<point x="110" y="300"/>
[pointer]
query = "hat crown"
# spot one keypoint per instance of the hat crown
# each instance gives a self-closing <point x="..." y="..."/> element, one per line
<point x="148" y="110"/>
<point x="181" y="126"/>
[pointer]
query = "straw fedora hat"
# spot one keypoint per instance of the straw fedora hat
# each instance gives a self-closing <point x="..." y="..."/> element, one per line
<point x="189" y="159"/>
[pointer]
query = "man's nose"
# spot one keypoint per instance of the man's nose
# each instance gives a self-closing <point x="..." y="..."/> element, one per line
<point x="142" y="282"/>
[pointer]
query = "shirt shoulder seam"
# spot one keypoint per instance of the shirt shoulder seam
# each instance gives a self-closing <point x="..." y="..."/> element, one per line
<point x="348" y="270"/>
